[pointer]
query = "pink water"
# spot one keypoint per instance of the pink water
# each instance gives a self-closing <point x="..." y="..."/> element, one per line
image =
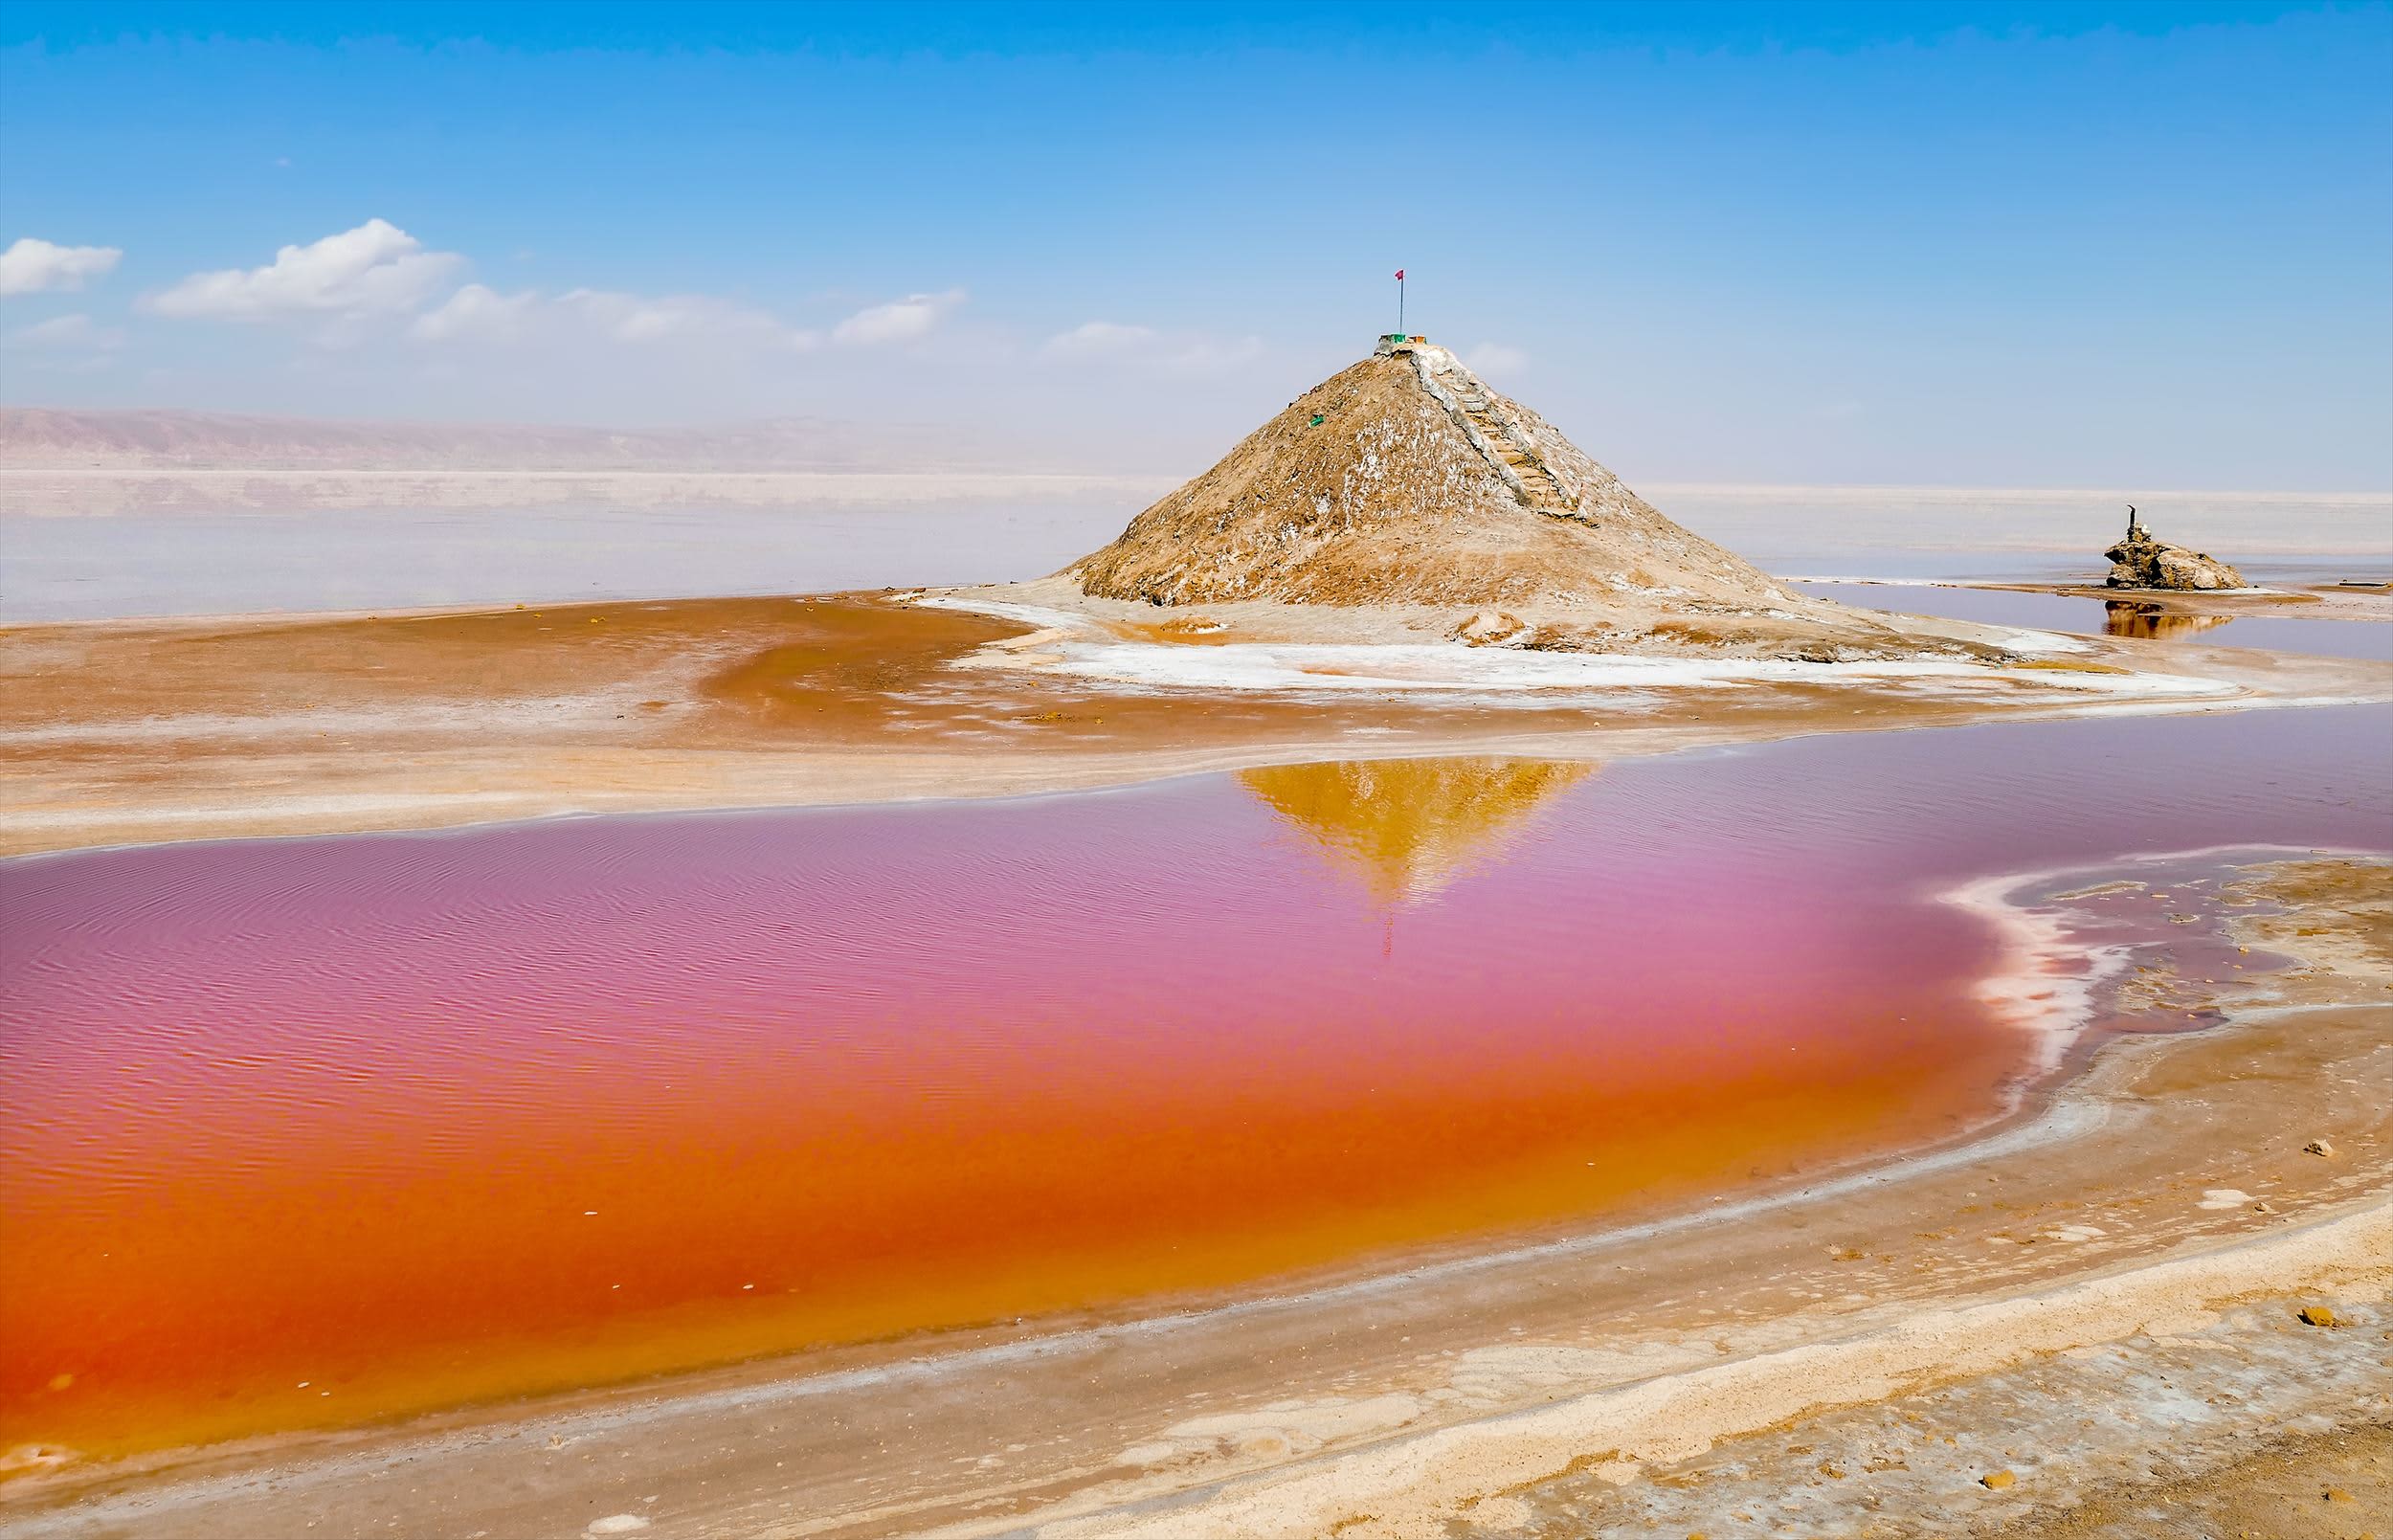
<point x="311" y="1130"/>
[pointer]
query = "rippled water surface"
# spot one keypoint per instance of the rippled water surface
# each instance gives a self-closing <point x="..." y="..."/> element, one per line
<point x="308" y="1131"/>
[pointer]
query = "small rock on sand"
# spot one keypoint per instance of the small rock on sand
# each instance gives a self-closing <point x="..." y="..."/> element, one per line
<point x="1490" y="628"/>
<point x="2318" y="1146"/>
<point x="1996" y="1480"/>
<point x="2317" y="1315"/>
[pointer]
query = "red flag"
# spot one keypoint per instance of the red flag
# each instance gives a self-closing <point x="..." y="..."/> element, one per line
<point x="1399" y="275"/>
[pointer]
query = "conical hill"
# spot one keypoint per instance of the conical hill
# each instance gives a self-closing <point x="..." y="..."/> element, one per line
<point x="1406" y="479"/>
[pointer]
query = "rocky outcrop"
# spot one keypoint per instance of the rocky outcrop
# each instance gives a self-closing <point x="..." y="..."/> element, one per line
<point x="2140" y="561"/>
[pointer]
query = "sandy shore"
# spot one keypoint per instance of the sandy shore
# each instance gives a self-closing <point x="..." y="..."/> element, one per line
<point x="132" y="731"/>
<point x="2101" y="1298"/>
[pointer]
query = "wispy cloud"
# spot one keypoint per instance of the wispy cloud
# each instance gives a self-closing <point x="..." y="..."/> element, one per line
<point x="476" y="311"/>
<point x="1209" y="355"/>
<point x="69" y="333"/>
<point x="898" y="320"/>
<point x="1143" y="347"/>
<point x="479" y="313"/>
<point x="374" y="269"/>
<point x="31" y="266"/>
<point x="632" y="318"/>
<point x="1099" y="339"/>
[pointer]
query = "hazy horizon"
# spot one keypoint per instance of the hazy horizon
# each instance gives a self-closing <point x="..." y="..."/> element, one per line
<point x="865" y="458"/>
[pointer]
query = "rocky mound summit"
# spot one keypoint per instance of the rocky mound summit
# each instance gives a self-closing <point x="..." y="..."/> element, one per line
<point x="1406" y="479"/>
<point x="2142" y="560"/>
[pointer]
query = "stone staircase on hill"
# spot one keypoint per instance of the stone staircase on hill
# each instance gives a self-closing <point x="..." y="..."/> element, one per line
<point x="1497" y="434"/>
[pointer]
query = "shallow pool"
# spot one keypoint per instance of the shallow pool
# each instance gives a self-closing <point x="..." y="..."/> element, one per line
<point x="313" y="1130"/>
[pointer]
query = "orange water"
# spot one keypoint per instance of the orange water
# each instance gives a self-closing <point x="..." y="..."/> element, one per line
<point x="316" y="1130"/>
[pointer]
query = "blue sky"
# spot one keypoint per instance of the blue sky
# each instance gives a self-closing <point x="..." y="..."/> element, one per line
<point x="2122" y="245"/>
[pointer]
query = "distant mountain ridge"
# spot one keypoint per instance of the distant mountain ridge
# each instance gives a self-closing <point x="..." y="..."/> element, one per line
<point x="50" y="438"/>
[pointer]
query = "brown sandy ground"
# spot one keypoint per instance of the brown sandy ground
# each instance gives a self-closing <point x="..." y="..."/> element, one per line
<point x="120" y="732"/>
<point x="2101" y="1299"/>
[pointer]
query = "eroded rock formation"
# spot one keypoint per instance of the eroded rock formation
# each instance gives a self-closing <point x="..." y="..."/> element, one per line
<point x="2142" y="560"/>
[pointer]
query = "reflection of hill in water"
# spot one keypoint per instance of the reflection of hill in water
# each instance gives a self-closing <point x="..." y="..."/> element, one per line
<point x="1408" y="827"/>
<point x="2125" y="617"/>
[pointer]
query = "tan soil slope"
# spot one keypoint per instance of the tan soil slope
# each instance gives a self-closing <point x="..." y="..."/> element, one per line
<point x="1388" y="500"/>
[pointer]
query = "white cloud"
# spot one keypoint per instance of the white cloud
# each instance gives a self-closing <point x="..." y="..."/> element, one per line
<point x="357" y="284"/>
<point x="376" y="268"/>
<point x="475" y="311"/>
<point x="1188" y="352"/>
<point x="900" y="321"/>
<point x="1496" y="359"/>
<point x="31" y="266"/>
<point x="70" y="332"/>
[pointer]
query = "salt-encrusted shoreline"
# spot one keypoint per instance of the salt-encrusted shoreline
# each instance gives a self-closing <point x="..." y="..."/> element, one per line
<point x="2048" y="984"/>
<point x="1068" y="642"/>
<point x="1411" y="1487"/>
<point x="2052" y="982"/>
